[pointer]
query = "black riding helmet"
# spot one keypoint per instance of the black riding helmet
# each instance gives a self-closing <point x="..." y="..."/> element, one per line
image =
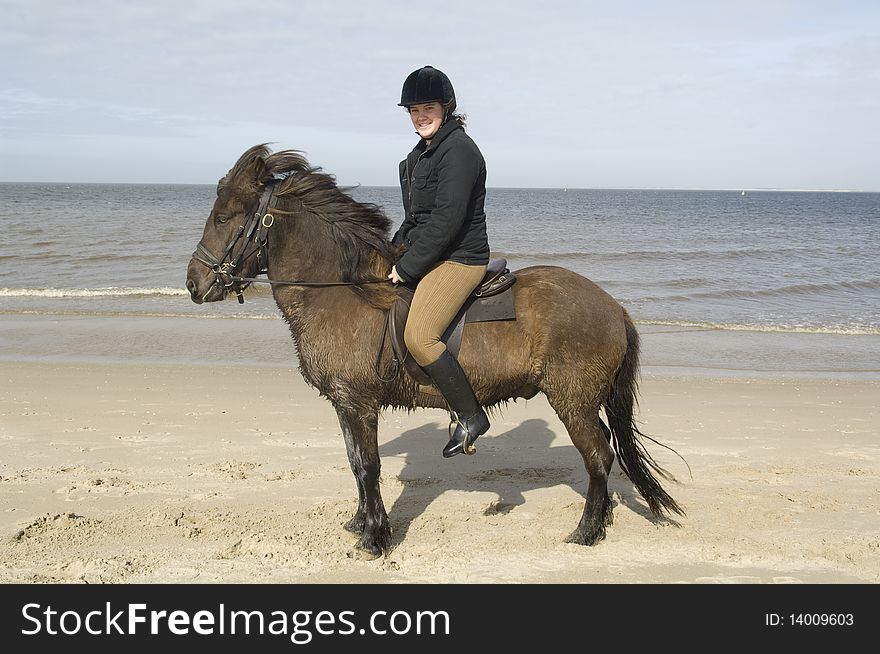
<point x="427" y="84"/>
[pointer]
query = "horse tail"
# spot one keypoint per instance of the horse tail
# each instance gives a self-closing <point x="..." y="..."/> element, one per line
<point x="626" y="437"/>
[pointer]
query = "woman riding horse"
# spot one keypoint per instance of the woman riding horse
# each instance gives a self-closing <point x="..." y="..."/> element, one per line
<point x="443" y="181"/>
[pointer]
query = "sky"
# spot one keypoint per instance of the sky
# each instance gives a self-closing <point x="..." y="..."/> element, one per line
<point x="558" y="94"/>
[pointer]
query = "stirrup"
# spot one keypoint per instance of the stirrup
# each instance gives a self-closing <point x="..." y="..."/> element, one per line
<point x="455" y="446"/>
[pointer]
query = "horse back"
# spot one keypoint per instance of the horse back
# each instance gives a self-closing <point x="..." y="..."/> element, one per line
<point x="563" y="321"/>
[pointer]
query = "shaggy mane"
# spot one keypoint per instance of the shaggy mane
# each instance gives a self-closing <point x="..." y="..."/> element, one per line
<point x="359" y="229"/>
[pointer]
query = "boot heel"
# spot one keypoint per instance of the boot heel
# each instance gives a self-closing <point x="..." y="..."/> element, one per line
<point x="464" y="432"/>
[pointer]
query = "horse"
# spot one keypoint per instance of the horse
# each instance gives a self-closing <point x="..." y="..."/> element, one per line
<point x="327" y="257"/>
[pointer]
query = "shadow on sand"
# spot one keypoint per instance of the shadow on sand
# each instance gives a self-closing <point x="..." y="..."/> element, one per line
<point x="509" y="464"/>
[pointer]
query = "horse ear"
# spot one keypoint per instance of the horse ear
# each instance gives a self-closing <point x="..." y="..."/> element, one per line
<point x="260" y="170"/>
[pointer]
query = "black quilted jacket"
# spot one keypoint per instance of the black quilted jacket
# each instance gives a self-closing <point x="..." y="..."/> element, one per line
<point x="444" y="189"/>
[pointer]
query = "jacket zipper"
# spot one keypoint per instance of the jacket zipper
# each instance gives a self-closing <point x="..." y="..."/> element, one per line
<point x="409" y="187"/>
<point x="412" y="214"/>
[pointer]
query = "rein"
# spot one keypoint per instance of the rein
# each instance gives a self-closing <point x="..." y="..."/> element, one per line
<point x="282" y="282"/>
<point x="257" y="229"/>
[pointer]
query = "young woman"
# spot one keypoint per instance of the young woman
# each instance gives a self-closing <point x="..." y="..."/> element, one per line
<point x="443" y="181"/>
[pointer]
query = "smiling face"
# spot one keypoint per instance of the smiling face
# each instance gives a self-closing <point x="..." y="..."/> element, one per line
<point x="426" y="118"/>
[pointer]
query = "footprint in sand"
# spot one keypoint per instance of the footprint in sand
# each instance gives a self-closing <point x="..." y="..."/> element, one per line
<point x="110" y="486"/>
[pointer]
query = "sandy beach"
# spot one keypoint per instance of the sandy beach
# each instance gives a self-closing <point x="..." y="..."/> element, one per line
<point x="124" y="472"/>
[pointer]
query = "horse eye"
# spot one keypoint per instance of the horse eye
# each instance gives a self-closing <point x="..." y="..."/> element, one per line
<point x="221" y="217"/>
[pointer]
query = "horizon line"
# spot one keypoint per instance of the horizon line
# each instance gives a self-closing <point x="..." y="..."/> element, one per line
<point x="737" y="189"/>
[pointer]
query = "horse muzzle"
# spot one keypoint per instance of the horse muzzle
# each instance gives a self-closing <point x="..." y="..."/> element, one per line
<point x="205" y="287"/>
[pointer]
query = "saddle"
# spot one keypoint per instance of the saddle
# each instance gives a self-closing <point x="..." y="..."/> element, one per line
<point x="491" y="300"/>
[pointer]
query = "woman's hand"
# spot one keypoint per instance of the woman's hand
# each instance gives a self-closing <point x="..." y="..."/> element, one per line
<point x="393" y="276"/>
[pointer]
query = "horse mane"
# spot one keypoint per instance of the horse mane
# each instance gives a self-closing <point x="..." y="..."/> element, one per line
<point x="359" y="229"/>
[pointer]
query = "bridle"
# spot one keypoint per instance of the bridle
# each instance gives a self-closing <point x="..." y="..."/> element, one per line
<point x="257" y="230"/>
<point x="256" y="233"/>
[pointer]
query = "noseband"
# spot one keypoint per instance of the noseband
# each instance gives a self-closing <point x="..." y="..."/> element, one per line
<point x="257" y="230"/>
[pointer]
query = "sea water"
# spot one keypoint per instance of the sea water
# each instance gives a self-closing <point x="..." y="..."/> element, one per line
<point x="694" y="264"/>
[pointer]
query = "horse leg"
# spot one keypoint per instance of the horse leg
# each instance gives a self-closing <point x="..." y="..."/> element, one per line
<point x="592" y="439"/>
<point x="356" y="524"/>
<point x="360" y="430"/>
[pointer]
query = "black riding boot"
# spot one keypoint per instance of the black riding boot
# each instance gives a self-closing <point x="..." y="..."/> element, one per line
<point x="470" y="420"/>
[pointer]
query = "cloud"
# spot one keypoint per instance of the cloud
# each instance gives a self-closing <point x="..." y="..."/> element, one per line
<point x="590" y="85"/>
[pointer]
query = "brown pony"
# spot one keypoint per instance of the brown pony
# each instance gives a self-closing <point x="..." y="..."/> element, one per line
<point x="328" y="256"/>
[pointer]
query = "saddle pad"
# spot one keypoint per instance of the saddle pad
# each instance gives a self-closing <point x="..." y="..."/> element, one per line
<point x="479" y="309"/>
<point x="495" y="307"/>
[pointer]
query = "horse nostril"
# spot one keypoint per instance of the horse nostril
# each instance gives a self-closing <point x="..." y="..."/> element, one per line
<point x="190" y="286"/>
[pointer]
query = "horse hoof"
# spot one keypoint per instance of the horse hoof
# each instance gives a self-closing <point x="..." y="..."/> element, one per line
<point x="577" y="538"/>
<point x="364" y="554"/>
<point x="355" y="525"/>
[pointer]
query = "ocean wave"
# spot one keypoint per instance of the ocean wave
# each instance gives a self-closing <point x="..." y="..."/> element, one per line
<point x="673" y="253"/>
<point x="549" y="257"/>
<point x="841" y="330"/>
<point x="780" y="291"/>
<point x="142" y="314"/>
<point x="112" y="291"/>
<point x="81" y="260"/>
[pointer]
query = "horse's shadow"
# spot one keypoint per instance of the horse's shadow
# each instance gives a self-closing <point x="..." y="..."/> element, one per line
<point x="509" y="464"/>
